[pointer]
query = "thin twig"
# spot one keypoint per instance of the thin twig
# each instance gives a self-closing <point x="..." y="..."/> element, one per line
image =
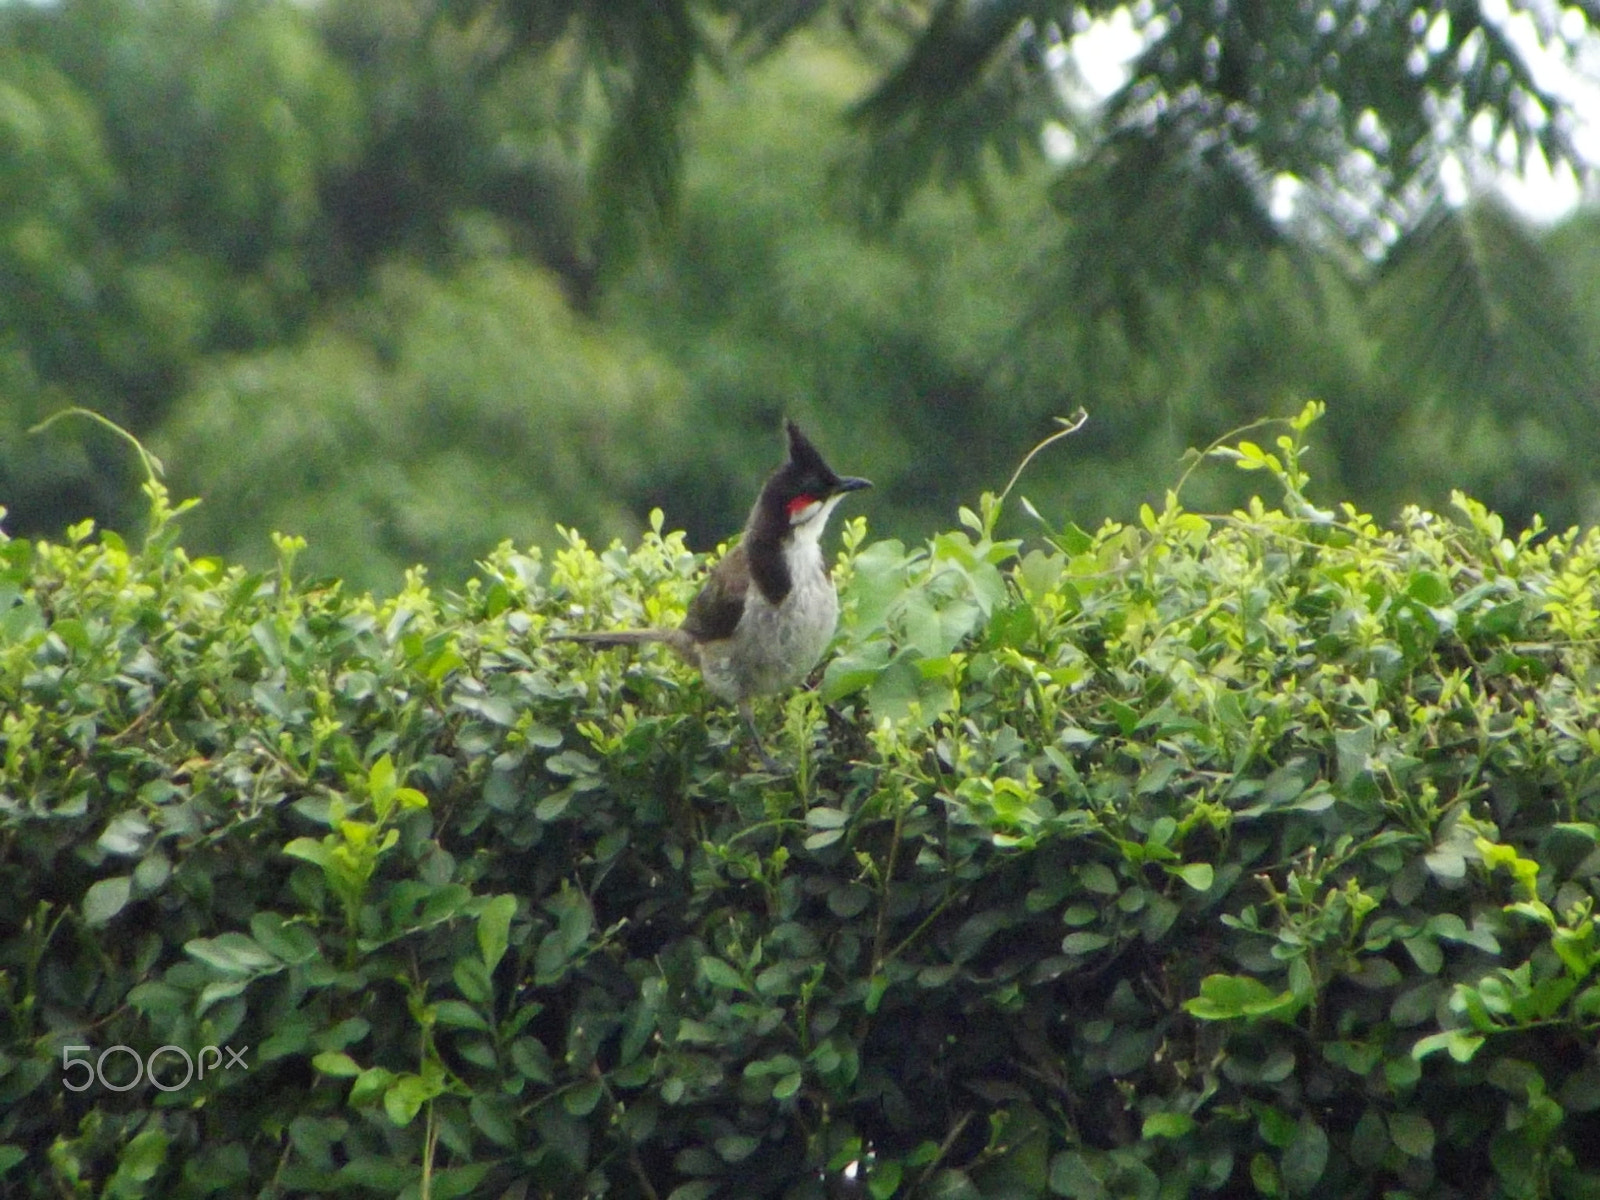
<point x="153" y="470"/>
<point x="1069" y="426"/>
<point x="944" y="1147"/>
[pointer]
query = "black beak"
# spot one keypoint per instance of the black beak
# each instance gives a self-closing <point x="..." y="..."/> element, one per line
<point x="850" y="483"/>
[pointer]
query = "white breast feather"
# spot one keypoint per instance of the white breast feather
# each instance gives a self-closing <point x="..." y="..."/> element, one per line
<point x="777" y="645"/>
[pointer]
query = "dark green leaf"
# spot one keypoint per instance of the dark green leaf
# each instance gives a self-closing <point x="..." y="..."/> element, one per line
<point x="1305" y="1159"/>
<point x="1412" y="1133"/>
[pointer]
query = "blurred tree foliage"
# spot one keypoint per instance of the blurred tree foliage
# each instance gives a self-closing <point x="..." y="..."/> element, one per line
<point x="431" y="419"/>
<point x="413" y="275"/>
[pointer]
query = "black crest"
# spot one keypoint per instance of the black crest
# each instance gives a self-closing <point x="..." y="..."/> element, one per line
<point x="806" y="473"/>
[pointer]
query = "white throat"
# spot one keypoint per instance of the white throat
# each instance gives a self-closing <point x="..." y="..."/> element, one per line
<point x="807" y="524"/>
<point x="802" y="549"/>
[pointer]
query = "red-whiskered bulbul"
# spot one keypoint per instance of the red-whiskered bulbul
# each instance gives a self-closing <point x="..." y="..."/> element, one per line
<point x="768" y="609"/>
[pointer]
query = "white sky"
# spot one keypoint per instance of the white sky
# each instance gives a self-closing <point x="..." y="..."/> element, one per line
<point x="1102" y="53"/>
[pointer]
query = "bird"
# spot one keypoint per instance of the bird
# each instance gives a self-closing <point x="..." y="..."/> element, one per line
<point x="768" y="608"/>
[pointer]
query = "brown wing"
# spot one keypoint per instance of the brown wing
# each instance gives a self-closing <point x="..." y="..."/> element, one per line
<point x="715" y="611"/>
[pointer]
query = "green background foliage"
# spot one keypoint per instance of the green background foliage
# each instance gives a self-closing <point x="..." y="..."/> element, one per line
<point x="409" y="277"/>
<point x="1240" y="854"/>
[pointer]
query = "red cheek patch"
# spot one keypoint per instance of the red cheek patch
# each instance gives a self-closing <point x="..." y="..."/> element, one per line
<point x="800" y="503"/>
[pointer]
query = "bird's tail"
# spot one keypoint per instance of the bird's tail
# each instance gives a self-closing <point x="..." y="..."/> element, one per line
<point x="618" y="637"/>
<point x="679" y="641"/>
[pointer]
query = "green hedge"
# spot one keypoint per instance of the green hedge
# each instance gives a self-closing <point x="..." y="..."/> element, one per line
<point x="1242" y="854"/>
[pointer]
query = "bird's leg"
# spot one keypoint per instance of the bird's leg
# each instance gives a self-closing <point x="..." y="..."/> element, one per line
<point x="747" y="711"/>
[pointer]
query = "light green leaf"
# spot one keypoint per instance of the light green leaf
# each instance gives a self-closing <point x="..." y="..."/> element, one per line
<point x="142" y="1157"/>
<point x="459" y="1015"/>
<point x="1199" y="876"/>
<point x="1223" y="997"/>
<point x="1167" y="1125"/>
<point x="231" y="954"/>
<point x="310" y="850"/>
<point x="381" y="778"/>
<point x="884" y="1181"/>
<point x="1084" y="942"/>
<point x="106" y="898"/>
<point x="1460" y="1044"/>
<point x="720" y="974"/>
<point x="494" y="926"/>
<point x="337" y="1064"/>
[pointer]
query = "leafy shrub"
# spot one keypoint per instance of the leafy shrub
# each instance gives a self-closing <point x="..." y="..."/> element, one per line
<point x="1246" y="854"/>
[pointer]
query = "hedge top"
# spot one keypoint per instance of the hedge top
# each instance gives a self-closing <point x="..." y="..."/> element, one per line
<point x="1250" y="853"/>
